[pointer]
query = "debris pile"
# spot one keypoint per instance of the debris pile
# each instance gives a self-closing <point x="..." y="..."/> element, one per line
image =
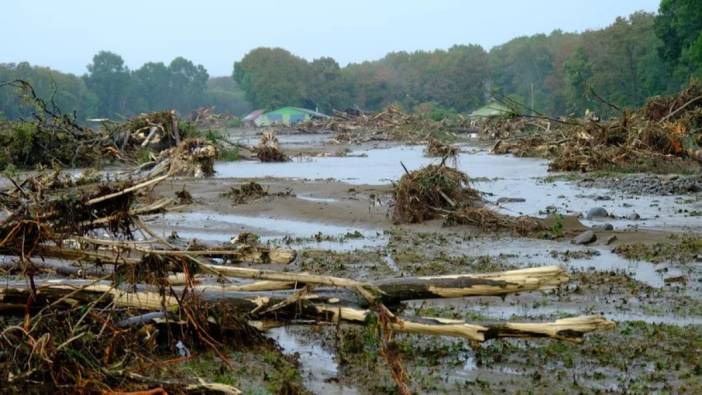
<point x="436" y="148"/>
<point x="487" y="219"/>
<point x="392" y="124"/>
<point x="662" y="134"/>
<point x="268" y="149"/>
<point x="504" y="127"/>
<point x="191" y="158"/>
<point x="441" y="191"/>
<point x="156" y="131"/>
<point x="50" y="138"/>
<point x="423" y="194"/>
<point x="251" y="191"/>
<point x="53" y="138"/>
<point x="206" y="118"/>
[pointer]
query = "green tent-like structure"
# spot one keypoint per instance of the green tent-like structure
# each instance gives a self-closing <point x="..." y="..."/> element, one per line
<point x="287" y="116"/>
<point x="493" y="109"/>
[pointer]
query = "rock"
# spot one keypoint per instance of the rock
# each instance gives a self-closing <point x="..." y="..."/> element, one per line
<point x="510" y="200"/>
<point x="627" y="205"/>
<point x="675" y="279"/>
<point x="596" y="212"/>
<point x="633" y="216"/>
<point x="611" y="239"/>
<point x="606" y="227"/>
<point x="586" y="237"/>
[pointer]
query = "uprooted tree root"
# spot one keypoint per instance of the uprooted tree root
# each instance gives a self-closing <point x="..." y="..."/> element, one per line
<point x="268" y="149"/>
<point x="421" y="194"/>
<point x="436" y="148"/>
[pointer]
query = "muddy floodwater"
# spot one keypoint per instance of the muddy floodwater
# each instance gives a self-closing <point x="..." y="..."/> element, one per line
<point x="335" y="213"/>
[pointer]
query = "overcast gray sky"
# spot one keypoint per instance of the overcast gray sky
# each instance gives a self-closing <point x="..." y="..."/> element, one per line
<point x="66" y="34"/>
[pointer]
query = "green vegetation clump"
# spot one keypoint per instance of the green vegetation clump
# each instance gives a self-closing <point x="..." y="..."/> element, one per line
<point x="28" y="144"/>
<point x="681" y="250"/>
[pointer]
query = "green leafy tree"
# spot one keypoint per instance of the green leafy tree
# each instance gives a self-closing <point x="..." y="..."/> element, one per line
<point x="272" y="77"/>
<point x="225" y="95"/>
<point x="578" y="71"/>
<point x="67" y="91"/>
<point x="188" y="84"/>
<point x="109" y="79"/>
<point x="679" y="25"/>
<point x="325" y="88"/>
<point x="151" y="87"/>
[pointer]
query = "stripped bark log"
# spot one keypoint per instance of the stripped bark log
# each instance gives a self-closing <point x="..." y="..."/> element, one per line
<point x="316" y="307"/>
<point x="571" y="329"/>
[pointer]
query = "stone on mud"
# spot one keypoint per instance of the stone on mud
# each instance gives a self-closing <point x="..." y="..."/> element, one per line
<point x="597" y="212"/>
<point x="586" y="237"/>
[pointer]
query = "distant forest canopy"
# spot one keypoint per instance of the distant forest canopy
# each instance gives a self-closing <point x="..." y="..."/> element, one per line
<point x="558" y="74"/>
<point x="110" y="89"/>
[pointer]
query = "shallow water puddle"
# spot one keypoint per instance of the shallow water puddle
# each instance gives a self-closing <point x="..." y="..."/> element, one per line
<point x="219" y="227"/>
<point x="316" y="199"/>
<point x="319" y="367"/>
<point x="526" y="252"/>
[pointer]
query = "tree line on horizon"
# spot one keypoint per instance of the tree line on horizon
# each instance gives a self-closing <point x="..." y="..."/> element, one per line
<point x="636" y="57"/>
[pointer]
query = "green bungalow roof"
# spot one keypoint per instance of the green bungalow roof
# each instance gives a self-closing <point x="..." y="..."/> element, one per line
<point x="492" y="110"/>
<point x="297" y="110"/>
<point x="288" y="116"/>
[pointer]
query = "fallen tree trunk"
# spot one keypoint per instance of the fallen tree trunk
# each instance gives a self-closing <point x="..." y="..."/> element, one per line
<point x="388" y="291"/>
<point x="299" y="306"/>
<point x="570" y="329"/>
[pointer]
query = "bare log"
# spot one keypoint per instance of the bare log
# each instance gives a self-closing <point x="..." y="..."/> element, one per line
<point x="316" y="307"/>
<point x="570" y="329"/>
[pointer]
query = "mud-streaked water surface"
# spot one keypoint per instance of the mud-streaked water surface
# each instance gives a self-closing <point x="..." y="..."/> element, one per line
<point x="496" y="176"/>
<point x="319" y="367"/>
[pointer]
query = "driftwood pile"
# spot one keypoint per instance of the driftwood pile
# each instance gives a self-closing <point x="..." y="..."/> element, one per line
<point x="156" y="131"/>
<point x="440" y="191"/>
<point x="666" y="129"/>
<point x="191" y="158"/>
<point x="56" y="139"/>
<point x="207" y="118"/>
<point x="436" y="148"/>
<point x="392" y="124"/>
<point x="138" y="299"/>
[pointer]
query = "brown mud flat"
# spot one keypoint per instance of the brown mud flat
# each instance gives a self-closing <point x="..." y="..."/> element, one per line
<point x="346" y="229"/>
